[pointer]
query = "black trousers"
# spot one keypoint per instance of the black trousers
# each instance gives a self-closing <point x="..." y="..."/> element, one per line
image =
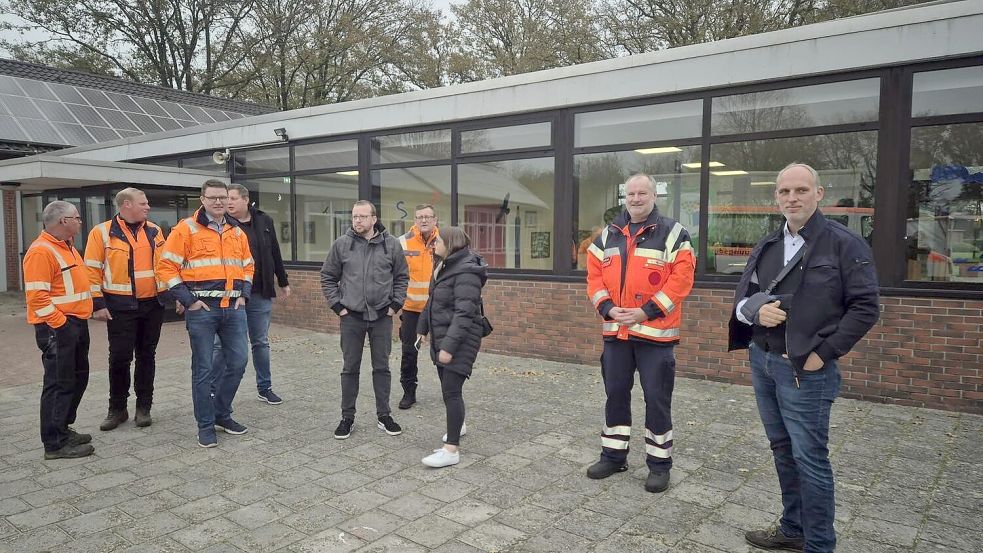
<point x="451" y="385"/>
<point x="407" y="336"/>
<point x="65" y="357"/>
<point x="132" y="333"/>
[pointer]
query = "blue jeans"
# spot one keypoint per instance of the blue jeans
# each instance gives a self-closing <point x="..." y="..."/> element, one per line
<point x="258" y="311"/>
<point x="796" y="421"/>
<point x="213" y="389"/>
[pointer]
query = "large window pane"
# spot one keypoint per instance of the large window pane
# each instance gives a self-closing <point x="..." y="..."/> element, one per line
<point x="167" y="207"/>
<point x="507" y="209"/>
<point x="600" y="186"/>
<point x="401" y="190"/>
<point x="412" y="147"/>
<point x="270" y="160"/>
<point x="945" y="204"/>
<point x="742" y="189"/>
<point x="792" y="108"/>
<point x="947" y="92"/>
<point x="324" y="155"/>
<point x="272" y="195"/>
<point x="506" y="138"/>
<point x="639" y="124"/>
<point x="324" y="207"/>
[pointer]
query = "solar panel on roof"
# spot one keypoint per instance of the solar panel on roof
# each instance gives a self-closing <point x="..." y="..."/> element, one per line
<point x="216" y="114"/>
<point x="129" y="134"/>
<point x="96" y="98"/>
<point x="199" y="114"/>
<point x="9" y="86"/>
<point x="41" y="132"/>
<point x="74" y="133"/>
<point x="67" y="93"/>
<point x="233" y="115"/>
<point x="86" y="115"/>
<point x="167" y="123"/>
<point x="102" y="134"/>
<point x="10" y="130"/>
<point x="36" y="89"/>
<point x="124" y="102"/>
<point x="144" y="123"/>
<point x="175" y="110"/>
<point x="187" y="124"/>
<point x="20" y="106"/>
<point x="117" y="119"/>
<point x="55" y="111"/>
<point x="150" y="106"/>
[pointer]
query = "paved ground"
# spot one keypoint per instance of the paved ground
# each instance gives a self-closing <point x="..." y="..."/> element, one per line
<point x="907" y="479"/>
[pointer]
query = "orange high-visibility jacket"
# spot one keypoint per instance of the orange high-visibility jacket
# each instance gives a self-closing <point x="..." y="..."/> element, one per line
<point x="121" y="264"/>
<point x="199" y="263"/>
<point x="419" y="258"/>
<point x="654" y="270"/>
<point x="55" y="282"/>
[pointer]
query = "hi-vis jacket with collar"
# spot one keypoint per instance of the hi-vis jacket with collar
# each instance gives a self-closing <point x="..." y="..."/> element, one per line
<point x="121" y="264"/>
<point x="419" y="258"/>
<point x="199" y="263"/>
<point x="55" y="282"/>
<point x="652" y="270"/>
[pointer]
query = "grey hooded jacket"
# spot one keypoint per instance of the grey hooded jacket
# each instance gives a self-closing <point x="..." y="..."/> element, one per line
<point x="366" y="277"/>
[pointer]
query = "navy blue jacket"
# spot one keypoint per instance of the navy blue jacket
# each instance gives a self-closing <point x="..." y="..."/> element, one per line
<point x="836" y="303"/>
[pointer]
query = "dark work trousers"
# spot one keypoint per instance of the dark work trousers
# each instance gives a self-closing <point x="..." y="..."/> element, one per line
<point x="451" y="384"/>
<point x="65" y="357"/>
<point x="134" y="333"/>
<point x="353" y="332"/>
<point x="656" y="367"/>
<point x="407" y="336"/>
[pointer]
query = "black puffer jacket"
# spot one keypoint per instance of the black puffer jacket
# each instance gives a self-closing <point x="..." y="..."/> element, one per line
<point x="452" y="314"/>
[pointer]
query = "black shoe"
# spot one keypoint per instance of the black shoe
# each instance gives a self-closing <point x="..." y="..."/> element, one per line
<point x="774" y="538"/>
<point x="142" y="417"/>
<point x="114" y="418"/>
<point x="409" y="398"/>
<point x="344" y="429"/>
<point x="387" y="424"/>
<point x="603" y="469"/>
<point x="657" y="482"/>
<point x="74" y="438"/>
<point x="69" y="451"/>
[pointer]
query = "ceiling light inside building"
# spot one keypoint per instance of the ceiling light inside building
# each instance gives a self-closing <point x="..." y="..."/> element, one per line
<point x="697" y="165"/>
<point x="728" y="173"/>
<point x="348" y="173"/>
<point x="662" y="150"/>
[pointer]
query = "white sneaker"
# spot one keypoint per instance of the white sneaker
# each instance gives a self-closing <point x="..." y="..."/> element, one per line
<point x="464" y="430"/>
<point x="442" y="458"/>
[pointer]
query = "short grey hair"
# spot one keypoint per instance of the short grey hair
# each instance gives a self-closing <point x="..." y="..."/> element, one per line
<point x="648" y="179"/>
<point x="54" y="211"/>
<point x="240" y="189"/>
<point x="793" y="165"/>
<point x="128" y="194"/>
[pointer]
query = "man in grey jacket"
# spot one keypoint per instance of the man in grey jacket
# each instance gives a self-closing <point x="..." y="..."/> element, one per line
<point x="364" y="279"/>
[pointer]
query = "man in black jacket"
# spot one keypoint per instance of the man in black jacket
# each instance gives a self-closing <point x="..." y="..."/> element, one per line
<point x="265" y="249"/>
<point x="809" y="292"/>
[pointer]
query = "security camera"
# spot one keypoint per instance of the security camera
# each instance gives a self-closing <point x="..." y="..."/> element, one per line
<point x="220" y="157"/>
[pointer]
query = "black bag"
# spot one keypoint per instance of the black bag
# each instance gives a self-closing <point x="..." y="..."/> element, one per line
<point x="486" y="326"/>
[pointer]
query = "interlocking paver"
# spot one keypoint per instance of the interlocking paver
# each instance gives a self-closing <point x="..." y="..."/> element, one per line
<point x="907" y="479"/>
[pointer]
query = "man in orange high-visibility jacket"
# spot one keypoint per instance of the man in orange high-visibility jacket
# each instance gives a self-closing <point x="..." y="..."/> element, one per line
<point x="120" y="255"/>
<point x="59" y="305"/>
<point x="418" y="250"/>
<point x="207" y="267"/>
<point x="639" y="270"/>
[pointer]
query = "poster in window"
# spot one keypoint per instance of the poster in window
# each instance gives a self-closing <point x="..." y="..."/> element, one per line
<point x="285" y="232"/>
<point x="539" y="245"/>
<point x="310" y="236"/>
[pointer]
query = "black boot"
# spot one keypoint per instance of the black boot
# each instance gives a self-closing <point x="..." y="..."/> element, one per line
<point x="114" y="418"/>
<point x="142" y="417"/>
<point x="409" y="398"/>
<point x="603" y="469"/>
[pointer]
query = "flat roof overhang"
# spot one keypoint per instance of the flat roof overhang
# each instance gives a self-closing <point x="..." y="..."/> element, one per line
<point x="46" y="172"/>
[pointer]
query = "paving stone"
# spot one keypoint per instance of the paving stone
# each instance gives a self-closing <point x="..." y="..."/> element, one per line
<point x="331" y="540"/>
<point x="107" y="480"/>
<point x="447" y="489"/>
<point x="372" y="525"/>
<point x="456" y="547"/>
<point x="101" y="499"/>
<point x="98" y="542"/>
<point x="553" y="540"/>
<point x="314" y="519"/>
<point x="40" y="540"/>
<point x="589" y="524"/>
<point x="719" y="536"/>
<point x="205" y="508"/>
<point x="492" y="536"/>
<point x="147" y="505"/>
<point x="431" y="530"/>
<point x="12" y="506"/>
<point x="35" y="518"/>
<point x="205" y="534"/>
<point x="93" y="522"/>
<point x="885" y="532"/>
<point x="392" y="544"/>
<point x="258" y="514"/>
<point x="267" y="538"/>
<point x="54" y="494"/>
<point x="152" y="527"/>
<point x="468" y="511"/>
<point x="412" y="506"/>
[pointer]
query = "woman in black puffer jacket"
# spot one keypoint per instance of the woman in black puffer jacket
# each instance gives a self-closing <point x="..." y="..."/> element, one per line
<point x="452" y="318"/>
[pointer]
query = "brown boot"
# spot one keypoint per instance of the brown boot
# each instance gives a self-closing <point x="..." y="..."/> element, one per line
<point x="142" y="417"/>
<point x="114" y="418"/>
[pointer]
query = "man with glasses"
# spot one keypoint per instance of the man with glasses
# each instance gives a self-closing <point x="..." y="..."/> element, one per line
<point x="417" y="247"/>
<point x="207" y="266"/>
<point x="59" y="305"/>
<point x="364" y="279"/>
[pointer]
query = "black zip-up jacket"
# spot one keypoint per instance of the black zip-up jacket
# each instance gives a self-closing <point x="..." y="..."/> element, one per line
<point x="269" y="260"/>
<point x="836" y="303"/>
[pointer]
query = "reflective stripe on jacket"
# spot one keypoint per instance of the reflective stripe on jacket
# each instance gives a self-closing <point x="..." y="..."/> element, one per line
<point x="419" y="258"/>
<point x="55" y="282"/>
<point x="121" y="264"/>
<point x="197" y="262"/>
<point x="653" y="270"/>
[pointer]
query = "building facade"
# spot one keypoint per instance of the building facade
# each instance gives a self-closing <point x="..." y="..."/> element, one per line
<point x="887" y="107"/>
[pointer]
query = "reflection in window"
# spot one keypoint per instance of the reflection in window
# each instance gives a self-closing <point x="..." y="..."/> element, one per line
<point x="272" y="195"/>
<point x="31" y="227"/>
<point x="791" y="108"/>
<point x="270" y="160"/>
<point x="639" y="124"/>
<point x="324" y="208"/>
<point x="945" y="204"/>
<point x="506" y="138"/>
<point x="324" y="155"/>
<point x="600" y="196"/>
<point x="742" y="190"/>
<point x="412" y="147"/>
<point x="203" y="163"/>
<point x="947" y="92"/>
<point x="506" y="208"/>
<point x="401" y="190"/>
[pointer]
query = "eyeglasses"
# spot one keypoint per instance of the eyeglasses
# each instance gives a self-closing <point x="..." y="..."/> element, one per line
<point x="216" y="199"/>
<point x="361" y="217"/>
<point x="77" y="218"/>
<point x="425" y="217"/>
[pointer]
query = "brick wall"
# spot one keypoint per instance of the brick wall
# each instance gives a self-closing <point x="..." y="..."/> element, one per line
<point x="923" y="352"/>
<point x="10" y="233"/>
